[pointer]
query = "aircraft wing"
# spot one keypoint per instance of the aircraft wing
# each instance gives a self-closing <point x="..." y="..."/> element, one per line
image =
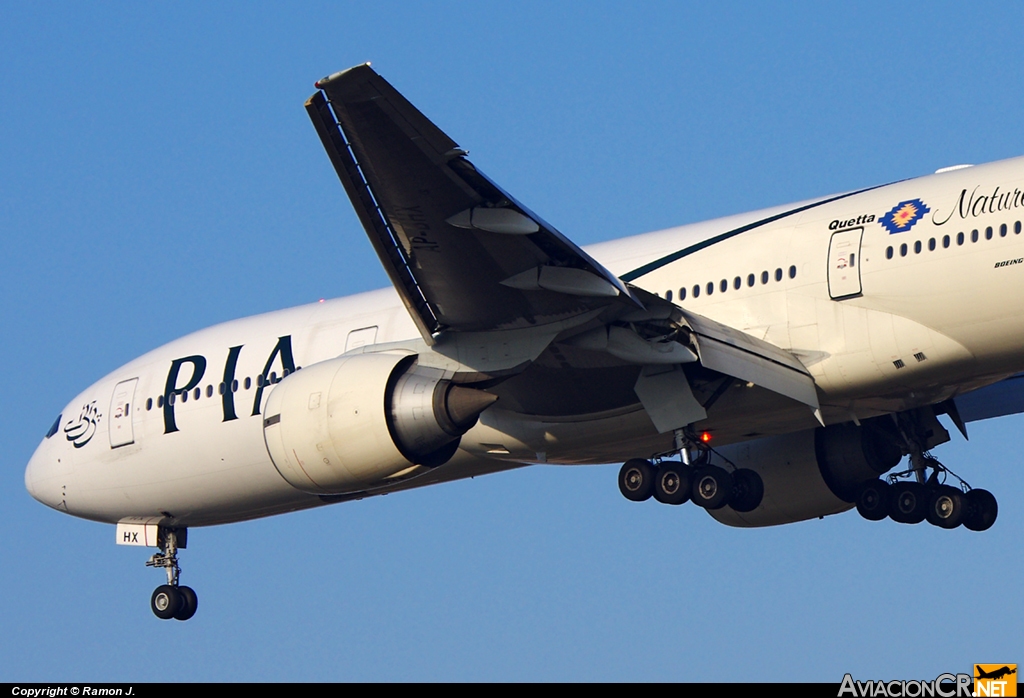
<point x="464" y="255"/>
<point x="468" y="259"/>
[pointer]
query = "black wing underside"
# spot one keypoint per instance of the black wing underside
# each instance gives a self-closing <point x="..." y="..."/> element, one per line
<point x="463" y="254"/>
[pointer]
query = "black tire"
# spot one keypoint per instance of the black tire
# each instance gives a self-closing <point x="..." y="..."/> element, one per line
<point x="873" y="500"/>
<point x="982" y="510"/>
<point x="712" y="487"/>
<point x="672" y="483"/>
<point x="636" y="479"/>
<point x="946" y="507"/>
<point x="189" y="604"/>
<point x="747" y="490"/>
<point x="909" y="503"/>
<point x="165" y="602"/>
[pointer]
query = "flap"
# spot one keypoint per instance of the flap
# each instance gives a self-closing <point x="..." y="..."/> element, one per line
<point x="734" y="353"/>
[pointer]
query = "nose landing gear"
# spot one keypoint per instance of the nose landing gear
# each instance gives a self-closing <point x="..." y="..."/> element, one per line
<point x="171" y="600"/>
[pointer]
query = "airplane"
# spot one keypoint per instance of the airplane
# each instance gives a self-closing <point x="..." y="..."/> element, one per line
<point x="770" y="367"/>
<point x="996" y="673"/>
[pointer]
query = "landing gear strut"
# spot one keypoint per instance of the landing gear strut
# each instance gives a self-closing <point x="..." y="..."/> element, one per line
<point x="171" y="600"/>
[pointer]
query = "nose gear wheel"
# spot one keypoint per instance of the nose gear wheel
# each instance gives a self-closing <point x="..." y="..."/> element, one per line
<point x="171" y="600"/>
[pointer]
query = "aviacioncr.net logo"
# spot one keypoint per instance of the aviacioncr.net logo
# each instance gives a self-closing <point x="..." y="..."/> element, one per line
<point x="995" y="680"/>
<point x="943" y="686"/>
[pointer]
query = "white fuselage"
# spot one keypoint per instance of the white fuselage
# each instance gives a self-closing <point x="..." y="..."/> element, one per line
<point x="884" y="321"/>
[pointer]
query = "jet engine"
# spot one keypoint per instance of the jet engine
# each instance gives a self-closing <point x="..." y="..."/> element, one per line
<point x="351" y="422"/>
<point x="810" y="474"/>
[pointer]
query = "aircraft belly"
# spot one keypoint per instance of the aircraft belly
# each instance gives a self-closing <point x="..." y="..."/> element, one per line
<point x="741" y="413"/>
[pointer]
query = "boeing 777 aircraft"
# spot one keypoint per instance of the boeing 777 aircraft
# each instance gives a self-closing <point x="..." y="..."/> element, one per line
<point x="771" y="367"/>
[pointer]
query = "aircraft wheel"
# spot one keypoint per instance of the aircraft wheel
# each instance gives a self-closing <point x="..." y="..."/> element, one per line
<point x="909" y="503"/>
<point x="672" y="483"/>
<point x="747" y="490"/>
<point x="189" y="603"/>
<point x="873" y="500"/>
<point x="636" y="479"/>
<point x="982" y="510"/>
<point x="946" y="507"/>
<point x="712" y="487"/>
<point x="165" y="602"/>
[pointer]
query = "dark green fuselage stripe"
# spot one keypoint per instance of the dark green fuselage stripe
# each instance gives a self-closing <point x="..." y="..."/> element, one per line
<point x="668" y="259"/>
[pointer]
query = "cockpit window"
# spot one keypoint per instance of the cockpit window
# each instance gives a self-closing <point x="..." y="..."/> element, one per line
<point x="55" y="427"/>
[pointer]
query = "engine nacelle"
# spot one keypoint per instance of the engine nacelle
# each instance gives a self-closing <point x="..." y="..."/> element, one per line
<point x="810" y="474"/>
<point x="349" y="423"/>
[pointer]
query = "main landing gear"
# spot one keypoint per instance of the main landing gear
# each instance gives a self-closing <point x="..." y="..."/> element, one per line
<point x="675" y="482"/>
<point x="171" y="600"/>
<point x="922" y="493"/>
<point x="927" y="497"/>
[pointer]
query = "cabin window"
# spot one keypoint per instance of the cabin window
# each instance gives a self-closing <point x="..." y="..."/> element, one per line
<point x="888" y="252"/>
<point x="248" y="382"/>
<point x="234" y="386"/>
<point x="945" y="241"/>
<point x="682" y="293"/>
<point x="696" y="291"/>
<point x="764" y="277"/>
<point x="750" y="279"/>
<point x="737" y="282"/>
<point x="668" y="295"/>
<point x="149" y="404"/>
<point x="903" y="250"/>
<point x="723" y="286"/>
<point x="917" y="247"/>
<point x="959" y="238"/>
<point x="1016" y="228"/>
<point x="931" y="244"/>
<point x="1002" y="230"/>
<point x="159" y="401"/>
<point x="988" y="233"/>
<point x="710" y="287"/>
<point x="171" y="398"/>
<point x="974" y="235"/>
<point x="197" y="393"/>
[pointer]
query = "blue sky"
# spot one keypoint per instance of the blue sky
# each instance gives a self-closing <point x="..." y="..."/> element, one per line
<point x="158" y="174"/>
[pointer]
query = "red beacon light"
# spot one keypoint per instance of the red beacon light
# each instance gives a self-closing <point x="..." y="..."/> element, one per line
<point x="705" y="437"/>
